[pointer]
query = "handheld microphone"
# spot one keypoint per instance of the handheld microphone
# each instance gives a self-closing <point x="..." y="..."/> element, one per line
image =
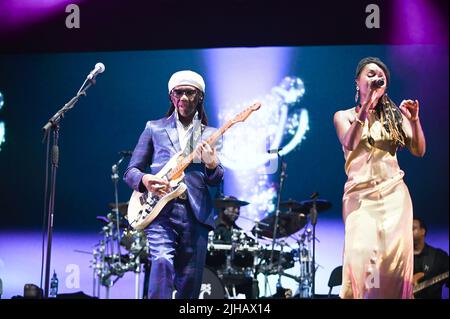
<point x="377" y="83"/>
<point x="99" y="68"/>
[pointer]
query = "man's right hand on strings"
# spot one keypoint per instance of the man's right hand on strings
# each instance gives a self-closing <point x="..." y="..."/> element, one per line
<point x="155" y="185"/>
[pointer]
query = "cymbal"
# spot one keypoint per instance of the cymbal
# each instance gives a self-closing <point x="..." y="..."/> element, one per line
<point x="288" y="224"/>
<point x="292" y="205"/>
<point x="123" y="207"/>
<point x="321" y="204"/>
<point x="228" y="201"/>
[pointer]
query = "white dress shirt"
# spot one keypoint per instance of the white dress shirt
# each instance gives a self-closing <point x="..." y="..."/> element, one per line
<point x="184" y="132"/>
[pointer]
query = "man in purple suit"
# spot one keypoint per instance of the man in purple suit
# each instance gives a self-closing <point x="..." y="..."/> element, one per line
<point x="178" y="235"/>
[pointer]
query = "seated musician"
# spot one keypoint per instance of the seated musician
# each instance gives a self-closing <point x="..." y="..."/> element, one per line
<point x="429" y="263"/>
<point x="226" y="220"/>
<point x="232" y="265"/>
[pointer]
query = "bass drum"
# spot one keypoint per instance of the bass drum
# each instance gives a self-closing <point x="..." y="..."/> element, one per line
<point x="212" y="287"/>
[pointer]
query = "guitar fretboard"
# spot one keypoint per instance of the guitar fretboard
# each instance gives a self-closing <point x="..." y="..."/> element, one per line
<point x="430" y="282"/>
<point x="181" y="166"/>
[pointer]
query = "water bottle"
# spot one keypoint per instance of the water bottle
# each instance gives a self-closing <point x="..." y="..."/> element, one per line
<point x="53" y="286"/>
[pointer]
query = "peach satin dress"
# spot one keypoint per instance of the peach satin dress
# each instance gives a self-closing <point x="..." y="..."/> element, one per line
<point x="378" y="213"/>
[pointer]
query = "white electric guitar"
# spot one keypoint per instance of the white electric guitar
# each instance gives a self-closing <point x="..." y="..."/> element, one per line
<point x="144" y="207"/>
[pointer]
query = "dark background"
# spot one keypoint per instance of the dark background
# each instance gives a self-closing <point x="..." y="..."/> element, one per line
<point x="171" y="24"/>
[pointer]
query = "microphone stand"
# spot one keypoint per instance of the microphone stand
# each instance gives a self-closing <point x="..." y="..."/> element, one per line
<point x="277" y="211"/>
<point x="54" y="125"/>
<point x="313" y="217"/>
<point x="115" y="179"/>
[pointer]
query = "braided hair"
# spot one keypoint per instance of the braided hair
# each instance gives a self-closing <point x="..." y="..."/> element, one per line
<point x="391" y="118"/>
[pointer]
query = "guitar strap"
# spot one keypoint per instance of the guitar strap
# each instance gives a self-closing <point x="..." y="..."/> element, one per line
<point x="194" y="138"/>
<point x="192" y="141"/>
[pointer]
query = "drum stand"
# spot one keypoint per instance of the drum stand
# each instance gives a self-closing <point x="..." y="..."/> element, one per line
<point x="306" y="275"/>
<point x="97" y="266"/>
<point x="147" y="268"/>
<point x="100" y="271"/>
<point x="279" y="268"/>
<point x="234" y="296"/>
<point x="103" y="268"/>
<point x="137" y="271"/>
<point x="115" y="179"/>
<point x="229" y="268"/>
<point x="103" y="273"/>
<point x="313" y="217"/>
<point x="275" y="226"/>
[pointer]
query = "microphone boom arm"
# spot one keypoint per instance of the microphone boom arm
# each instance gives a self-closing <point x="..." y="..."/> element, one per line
<point x="55" y="119"/>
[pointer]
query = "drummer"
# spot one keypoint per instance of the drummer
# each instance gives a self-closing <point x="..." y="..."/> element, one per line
<point x="240" y="282"/>
<point x="229" y="210"/>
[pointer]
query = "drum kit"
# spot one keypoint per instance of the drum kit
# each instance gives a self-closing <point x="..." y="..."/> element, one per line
<point x="234" y="258"/>
<point x="232" y="265"/>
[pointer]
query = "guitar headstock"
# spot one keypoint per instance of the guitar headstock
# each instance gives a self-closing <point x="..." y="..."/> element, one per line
<point x="241" y="117"/>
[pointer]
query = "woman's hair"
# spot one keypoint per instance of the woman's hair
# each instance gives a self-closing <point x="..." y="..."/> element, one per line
<point x="391" y="118"/>
<point x="376" y="61"/>
<point x="386" y="110"/>
<point x="200" y="108"/>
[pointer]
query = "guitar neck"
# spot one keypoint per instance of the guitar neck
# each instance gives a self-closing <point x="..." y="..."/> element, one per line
<point x="430" y="282"/>
<point x="181" y="166"/>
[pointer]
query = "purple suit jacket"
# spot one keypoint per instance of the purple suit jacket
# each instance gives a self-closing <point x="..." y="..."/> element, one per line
<point x="157" y="144"/>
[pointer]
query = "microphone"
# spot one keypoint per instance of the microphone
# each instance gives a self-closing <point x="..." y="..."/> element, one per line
<point x="99" y="68"/>
<point x="126" y="153"/>
<point x="375" y="84"/>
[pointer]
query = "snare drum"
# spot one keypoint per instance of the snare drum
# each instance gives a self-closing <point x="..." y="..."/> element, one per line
<point x="240" y="252"/>
<point x="246" y="249"/>
<point x="217" y="253"/>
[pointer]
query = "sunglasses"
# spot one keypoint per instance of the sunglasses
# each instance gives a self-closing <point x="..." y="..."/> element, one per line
<point x="177" y="93"/>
